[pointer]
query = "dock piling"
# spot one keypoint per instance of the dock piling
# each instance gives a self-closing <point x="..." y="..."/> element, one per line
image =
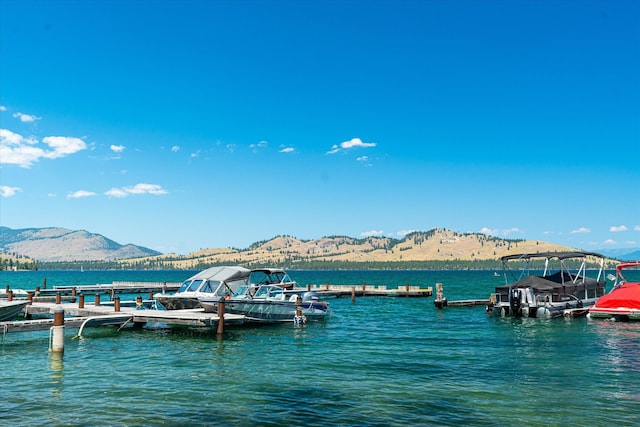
<point x="440" y="300"/>
<point x="220" y="330"/>
<point x="81" y="300"/>
<point x="299" y="319"/>
<point x="353" y="294"/>
<point x="58" y="298"/>
<point x="116" y="304"/>
<point x="57" y="331"/>
<point x="97" y="299"/>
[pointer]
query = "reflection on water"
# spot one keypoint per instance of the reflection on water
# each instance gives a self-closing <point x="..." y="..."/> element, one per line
<point x="57" y="373"/>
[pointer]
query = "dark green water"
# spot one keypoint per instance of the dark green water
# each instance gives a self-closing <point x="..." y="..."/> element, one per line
<point x="375" y="362"/>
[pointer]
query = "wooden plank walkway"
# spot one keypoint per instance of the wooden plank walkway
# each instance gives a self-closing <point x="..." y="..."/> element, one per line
<point x="106" y="314"/>
<point x="115" y="287"/>
<point x="370" y="290"/>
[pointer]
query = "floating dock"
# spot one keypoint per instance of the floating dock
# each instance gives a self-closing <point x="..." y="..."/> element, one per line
<point x="370" y="290"/>
<point x="76" y="317"/>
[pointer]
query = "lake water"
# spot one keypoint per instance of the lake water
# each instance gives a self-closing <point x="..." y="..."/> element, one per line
<point x="375" y="362"/>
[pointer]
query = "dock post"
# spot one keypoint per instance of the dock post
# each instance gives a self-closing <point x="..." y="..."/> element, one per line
<point x="298" y="319"/>
<point x="73" y="291"/>
<point x="44" y="283"/>
<point x="220" y="330"/>
<point x="81" y="300"/>
<point x="30" y="298"/>
<point x="353" y="294"/>
<point x="116" y="304"/>
<point x="440" y="300"/>
<point x="97" y="299"/>
<point x="57" y="331"/>
<point x="308" y="287"/>
<point x="151" y="294"/>
<point x="113" y="294"/>
<point x="9" y="295"/>
<point x="164" y="289"/>
<point x="326" y="287"/>
<point x="364" y="288"/>
<point x="6" y="289"/>
<point x="58" y="298"/>
<point x="37" y="291"/>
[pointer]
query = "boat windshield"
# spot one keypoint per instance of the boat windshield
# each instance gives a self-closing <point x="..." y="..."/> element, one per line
<point x="210" y="286"/>
<point x="194" y="285"/>
<point x="269" y="277"/>
<point x="242" y="291"/>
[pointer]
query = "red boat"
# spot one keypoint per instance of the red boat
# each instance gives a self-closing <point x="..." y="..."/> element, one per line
<point x="623" y="302"/>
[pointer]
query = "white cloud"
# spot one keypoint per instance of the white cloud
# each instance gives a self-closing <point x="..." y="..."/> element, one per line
<point x="617" y="229"/>
<point x="356" y="142"/>
<point x="80" y="194"/>
<point x="3" y="108"/>
<point x="26" y="118"/>
<point x="153" y="189"/>
<point x="352" y="143"/>
<point x="6" y="191"/>
<point x="63" y="146"/>
<point x="511" y="231"/>
<point x="334" y="149"/>
<point x="581" y="230"/>
<point x="117" y="148"/>
<point x="504" y="232"/>
<point x="610" y="242"/>
<point x="116" y="192"/>
<point x="488" y="231"/>
<point x="287" y="150"/>
<point x="175" y="148"/>
<point x="261" y="144"/>
<point x="636" y="228"/>
<point x="403" y="233"/>
<point x="363" y="159"/>
<point x="372" y="233"/>
<point x="18" y="150"/>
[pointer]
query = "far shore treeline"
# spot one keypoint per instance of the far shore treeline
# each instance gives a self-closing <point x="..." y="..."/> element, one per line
<point x="147" y="264"/>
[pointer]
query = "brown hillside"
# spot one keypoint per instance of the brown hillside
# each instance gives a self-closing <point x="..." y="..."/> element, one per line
<point x="437" y="244"/>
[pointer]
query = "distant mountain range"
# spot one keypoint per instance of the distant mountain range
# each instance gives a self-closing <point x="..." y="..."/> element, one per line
<point x="61" y="244"/>
<point x="625" y="254"/>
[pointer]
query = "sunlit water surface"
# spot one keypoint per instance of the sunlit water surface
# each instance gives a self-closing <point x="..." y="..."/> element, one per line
<point x="375" y="362"/>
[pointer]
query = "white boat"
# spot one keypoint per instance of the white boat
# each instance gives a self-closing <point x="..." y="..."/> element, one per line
<point x="560" y="288"/>
<point x="213" y="283"/>
<point x="9" y="310"/>
<point x="272" y="297"/>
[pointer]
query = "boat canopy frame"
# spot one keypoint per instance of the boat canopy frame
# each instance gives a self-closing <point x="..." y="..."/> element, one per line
<point x="564" y="270"/>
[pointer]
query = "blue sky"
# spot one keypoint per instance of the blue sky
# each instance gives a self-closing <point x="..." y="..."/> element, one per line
<point x="180" y="125"/>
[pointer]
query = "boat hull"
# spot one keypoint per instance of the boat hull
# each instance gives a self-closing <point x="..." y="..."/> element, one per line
<point x="9" y="310"/>
<point x="270" y="311"/>
<point x="545" y="311"/>
<point x="622" y="314"/>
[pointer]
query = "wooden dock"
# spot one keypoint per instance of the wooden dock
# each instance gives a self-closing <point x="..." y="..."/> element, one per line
<point x="370" y="290"/>
<point x="114" y="288"/>
<point x="91" y="315"/>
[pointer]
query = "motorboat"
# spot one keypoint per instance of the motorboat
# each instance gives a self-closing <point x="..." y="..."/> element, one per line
<point x="9" y="310"/>
<point x="213" y="283"/>
<point x="561" y="286"/>
<point x="623" y="301"/>
<point x="272" y="297"/>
